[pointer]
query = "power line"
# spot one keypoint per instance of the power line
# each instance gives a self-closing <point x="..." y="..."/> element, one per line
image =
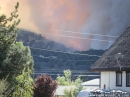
<point x="60" y="59"/>
<point x="80" y="32"/>
<point x="73" y="70"/>
<point x="79" y="37"/>
<point x="67" y="52"/>
<point x="37" y="72"/>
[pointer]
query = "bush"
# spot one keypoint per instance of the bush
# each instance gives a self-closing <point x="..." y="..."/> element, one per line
<point x="3" y="86"/>
<point x="20" y="86"/>
<point x="66" y="81"/>
<point x="44" y="86"/>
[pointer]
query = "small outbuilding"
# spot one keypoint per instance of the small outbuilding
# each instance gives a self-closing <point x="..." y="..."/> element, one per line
<point x="89" y="86"/>
<point x="91" y="83"/>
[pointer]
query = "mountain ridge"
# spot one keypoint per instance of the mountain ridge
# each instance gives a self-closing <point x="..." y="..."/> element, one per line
<point x="52" y="60"/>
<point x="32" y="39"/>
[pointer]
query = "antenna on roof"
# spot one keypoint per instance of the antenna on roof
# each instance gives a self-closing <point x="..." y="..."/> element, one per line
<point x="117" y="57"/>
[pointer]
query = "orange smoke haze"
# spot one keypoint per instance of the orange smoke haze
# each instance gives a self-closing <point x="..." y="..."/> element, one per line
<point x="50" y="14"/>
<point x="7" y="6"/>
<point x="58" y="14"/>
<point x="66" y="15"/>
<point x="107" y="17"/>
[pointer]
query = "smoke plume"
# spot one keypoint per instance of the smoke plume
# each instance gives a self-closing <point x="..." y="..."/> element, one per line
<point x="105" y="17"/>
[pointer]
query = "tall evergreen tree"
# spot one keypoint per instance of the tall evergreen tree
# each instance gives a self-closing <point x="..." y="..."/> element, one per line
<point x="16" y="61"/>
<point x="8" y="33"/>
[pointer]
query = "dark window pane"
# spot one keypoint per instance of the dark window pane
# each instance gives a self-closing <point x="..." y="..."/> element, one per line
<point x="118" y="78"/>
<point x="128" y="79"/>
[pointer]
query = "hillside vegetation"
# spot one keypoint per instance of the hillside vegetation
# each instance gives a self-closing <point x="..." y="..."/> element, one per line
<point x="45" y="59"/>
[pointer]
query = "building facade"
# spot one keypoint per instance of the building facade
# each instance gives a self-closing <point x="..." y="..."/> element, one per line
<point x="114" y="64"/>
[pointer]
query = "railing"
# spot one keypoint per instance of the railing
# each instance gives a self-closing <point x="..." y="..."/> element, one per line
<point x="108" y="93"/>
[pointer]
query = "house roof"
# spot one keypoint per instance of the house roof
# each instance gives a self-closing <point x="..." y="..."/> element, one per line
<point x="94" y="82"/>
<point x="108" y="62"/>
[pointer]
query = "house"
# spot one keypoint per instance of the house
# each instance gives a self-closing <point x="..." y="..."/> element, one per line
<point x="114" y="65"/>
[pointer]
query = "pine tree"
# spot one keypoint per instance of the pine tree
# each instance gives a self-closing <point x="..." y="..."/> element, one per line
<point x="18" y="58"/>
<point x="13" y="55"/>
<point x="8" y="33"/>
<point x="16" y="61"/>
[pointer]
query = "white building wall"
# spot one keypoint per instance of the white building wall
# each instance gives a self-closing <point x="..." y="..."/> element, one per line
<point x="108" y="78"/>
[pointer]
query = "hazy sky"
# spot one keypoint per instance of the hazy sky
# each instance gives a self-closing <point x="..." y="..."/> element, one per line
<point x="106" y="17"/>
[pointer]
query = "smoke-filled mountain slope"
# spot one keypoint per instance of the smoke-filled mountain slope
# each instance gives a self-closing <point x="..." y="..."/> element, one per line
<point x="38" y="41"/>
<point x="45" y="59"/>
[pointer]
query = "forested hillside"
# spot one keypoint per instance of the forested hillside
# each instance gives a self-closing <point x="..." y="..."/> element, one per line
<point x="45" y="59"/>
<point x="32" y="39"/>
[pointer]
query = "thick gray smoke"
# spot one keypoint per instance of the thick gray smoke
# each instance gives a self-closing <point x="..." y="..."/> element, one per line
<point x="107" y="17"/>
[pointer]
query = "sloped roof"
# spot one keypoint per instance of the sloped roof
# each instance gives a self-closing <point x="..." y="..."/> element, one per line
<point x="108" y="62"/>
<point x="94" y="82"/>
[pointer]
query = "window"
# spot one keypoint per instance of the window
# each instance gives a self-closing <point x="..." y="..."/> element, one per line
<point x="118" y="78"/>
<point x="128" y="79"/>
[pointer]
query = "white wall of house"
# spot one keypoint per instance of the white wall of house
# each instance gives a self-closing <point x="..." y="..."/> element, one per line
<point x="108" y="78"/>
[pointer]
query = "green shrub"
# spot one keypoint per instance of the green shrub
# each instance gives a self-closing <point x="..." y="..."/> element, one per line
<point x="66" y="81"/>
<point x="3" y="86"/>
<point x="20" y="86"/>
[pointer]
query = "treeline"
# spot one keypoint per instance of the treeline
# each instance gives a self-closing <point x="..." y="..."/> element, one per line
<point x="68" y="61"/>
<point x="32" y="39"/>
<point x="50" y="59"/>
<point x="16" y="64"/>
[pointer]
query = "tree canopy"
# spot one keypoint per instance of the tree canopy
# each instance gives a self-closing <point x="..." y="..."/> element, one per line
<point x="8" y="32"/>
<point x="44" y="86"/>
<point x="66" y="81"/>
<point x="16" y="61"/>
